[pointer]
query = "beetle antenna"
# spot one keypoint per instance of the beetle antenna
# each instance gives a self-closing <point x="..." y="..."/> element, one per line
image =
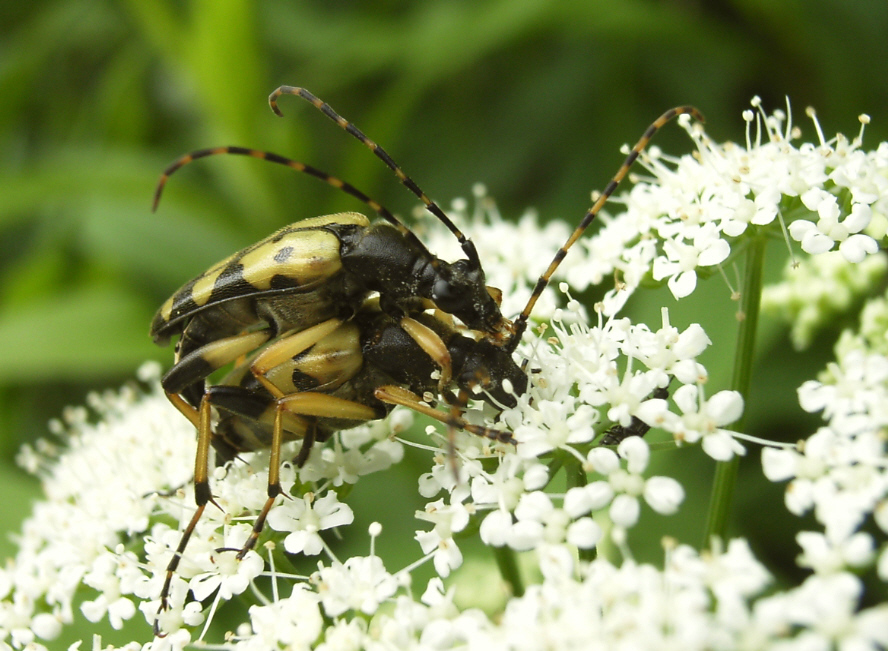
<point x="521" y="322"/>
<point x="382" y="155"/>
<point x="271" y="157"/>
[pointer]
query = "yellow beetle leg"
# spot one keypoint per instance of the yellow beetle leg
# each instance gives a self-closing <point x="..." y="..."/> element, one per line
<point x="199" y="363"/>
<point x="433" y="346"/>
<point x="285" y="348"/>
<point x="395" y="395"/>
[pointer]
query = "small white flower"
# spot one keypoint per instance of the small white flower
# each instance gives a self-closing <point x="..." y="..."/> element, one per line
<point x="827" y="556"/>
<point x="830" y="228"/>
<point x="305" y="518"/>
<point x="624" y="511"/>
<point x="448" y="519"/>
<point x="538" y="521"/>
<point x="495" y="528"/>
<point x="222" y="569"/>
<point x="47" y="626"/>
<point x="113" y="576"/>
<point x="603" y="461"/>
<point x="342" y="464"/>
<point x="345" y="634"/>
<point x="858" y="386"/>
<point x="294" y="622"/>
<point x="681" y="260"/>
<point x="701" y="419"/>
<point x="584" y="533"/>
<point x="673" y="352"/>
<point x="595" y="495"/>
<point x="118" y="611"/>
<point x="360" y="584"/>
<point x="622" y="488"/>
<point x="663" y="494"/>
<point x="779" y="464"/>
<point x="508" y="482"/>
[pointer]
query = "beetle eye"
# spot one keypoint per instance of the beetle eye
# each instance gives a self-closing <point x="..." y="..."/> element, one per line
<point x="448" y="296"/>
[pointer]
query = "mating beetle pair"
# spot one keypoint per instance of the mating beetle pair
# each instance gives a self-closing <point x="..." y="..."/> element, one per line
<point x="332" y="321"/>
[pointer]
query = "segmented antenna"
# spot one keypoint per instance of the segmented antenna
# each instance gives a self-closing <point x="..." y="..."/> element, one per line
<point x="303" y="168"/>
<point x="466" y="244"/>
<point x="521" y="322"/>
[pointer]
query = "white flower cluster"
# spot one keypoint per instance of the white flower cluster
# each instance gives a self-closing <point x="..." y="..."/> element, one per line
<point x="840" y="473"/>
<point x="108" y="488"/>
<point x="816" y="290"/>
<point x="688" y="219"/>
<point x="106" y="522"/>
<point x="582" y="392"/>
<point x="119" y="493"/>
<point x="694" y="603"/>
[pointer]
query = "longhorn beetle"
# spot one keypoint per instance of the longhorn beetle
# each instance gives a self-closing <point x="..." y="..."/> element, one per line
<point x="314" y="270"/>
<point x="337" y="375"/>
<point x="299" y="298"/>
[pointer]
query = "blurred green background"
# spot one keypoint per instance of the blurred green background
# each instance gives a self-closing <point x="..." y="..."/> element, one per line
<point x="531" y="97"/>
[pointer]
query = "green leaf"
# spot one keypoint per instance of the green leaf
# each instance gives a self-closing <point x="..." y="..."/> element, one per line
<point x="81" y="335"/>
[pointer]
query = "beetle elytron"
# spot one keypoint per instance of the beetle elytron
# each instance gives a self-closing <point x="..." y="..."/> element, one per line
<point x="301" y="298"/>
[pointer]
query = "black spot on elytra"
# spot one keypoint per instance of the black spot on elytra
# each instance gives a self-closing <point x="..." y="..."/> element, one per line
<point x="281" y="256"/>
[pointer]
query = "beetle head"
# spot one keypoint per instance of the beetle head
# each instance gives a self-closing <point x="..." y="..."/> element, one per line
<point x="461" y="290"/>
<point x="483" y="365"/>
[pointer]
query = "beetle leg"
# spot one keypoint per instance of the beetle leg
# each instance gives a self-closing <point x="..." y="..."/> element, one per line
<point x="199" y="363"/>
<point x="323" y="405"/>
<point x="184" y="408"/>
<point x="285" y="348"/>
<point x="171" y="568"/>
<point x="185" y="380"/>
<point x="274" y="481"/>
<point x="194" y="367"/>
<point x="249" y="406"/>
<point x="457" y="405"/>
<point x="301" y="404"/>
<point x="616" y="434"/>
<point x="395" y="395"/>
<point x="308" y="441"/>
<point x="432" y="344"/>
<point x="202" y="496"/>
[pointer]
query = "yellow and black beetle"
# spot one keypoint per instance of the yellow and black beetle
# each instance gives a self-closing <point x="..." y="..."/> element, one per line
<point x="318" y="359"/>
<point x="314" y="270"/>
<point x="336" y="375"/>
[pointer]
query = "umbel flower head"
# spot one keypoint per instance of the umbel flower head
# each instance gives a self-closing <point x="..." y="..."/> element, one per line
<point x="565" y="498"/>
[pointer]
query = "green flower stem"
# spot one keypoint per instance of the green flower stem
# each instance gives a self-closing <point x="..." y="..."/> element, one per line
<point x="574" y="473"/>
<point x="726" y="471"/>
<point x="508" y="567"/>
